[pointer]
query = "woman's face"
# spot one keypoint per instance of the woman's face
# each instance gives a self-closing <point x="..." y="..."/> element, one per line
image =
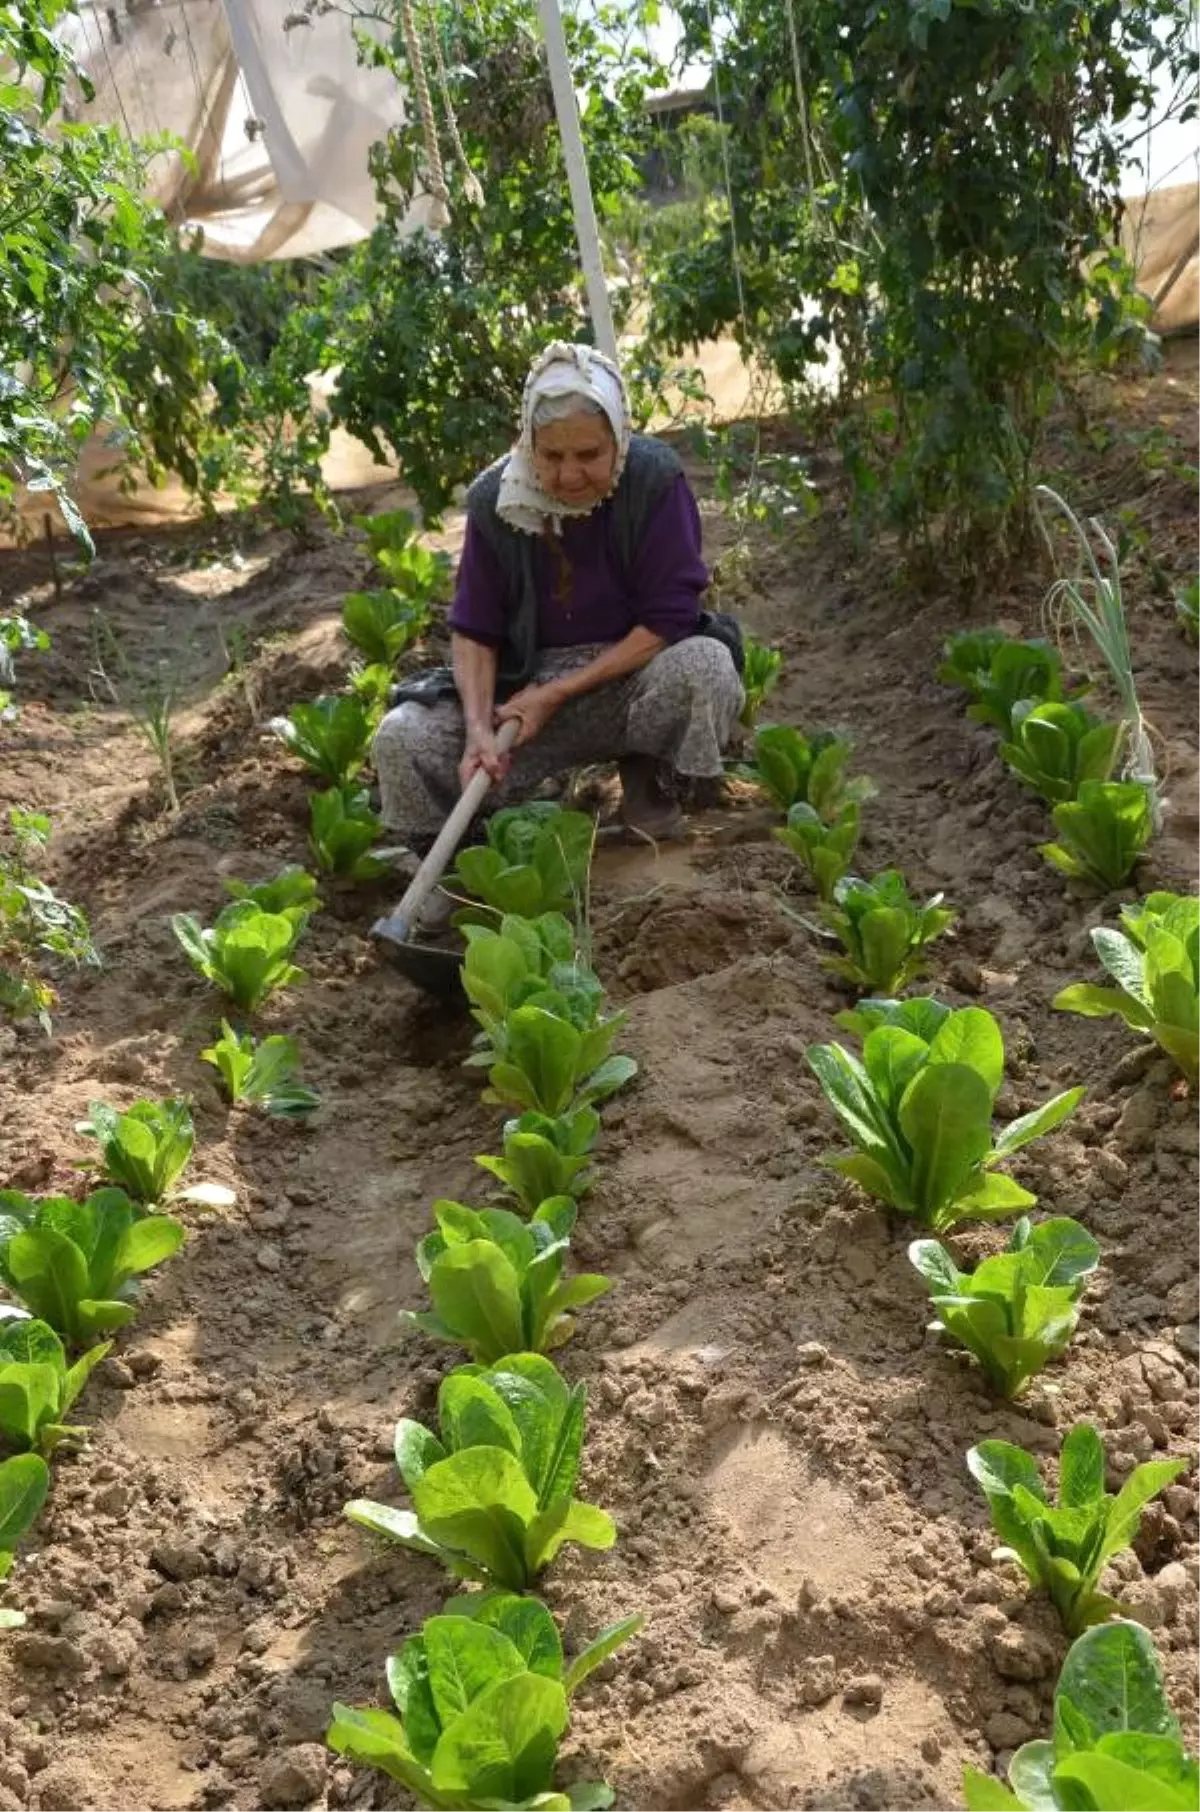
<point x="575" y="458"/>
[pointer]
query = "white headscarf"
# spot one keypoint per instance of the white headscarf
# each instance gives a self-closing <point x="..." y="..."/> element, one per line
<point x="562" y="370"/>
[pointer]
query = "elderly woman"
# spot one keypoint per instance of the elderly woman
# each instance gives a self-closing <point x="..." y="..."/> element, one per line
<point x="577" y="612"/>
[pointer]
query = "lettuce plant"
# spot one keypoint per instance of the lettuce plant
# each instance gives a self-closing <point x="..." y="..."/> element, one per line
<point x="919" y="1013"/>
<point x="967" y="656"/>
<point x="482" y="1695"/>
<point x="545" y="1156"/>
<point x="883" y="931"/>
<point x="552" y="1067"/>
<point x="1156" y="966"/>
<point x="419" y="573"/>
<point x="372" y="687"/>
<point x="247" y="952"/>
<point x="1187" y="608"/>
<point x="919" y="1110"/>
<point x="1116" y="1745"/>
<point x="1056" y="747"/>
<point x="343" y="829"/>
<point x="760" y="676"/>
<point x="38" y="1387"/>
<point x="262" y="1072"/>
<point x="24" y="1482"/>
<point x="1017" y="1311"/>
<point x="1000" y="674"/>
<point x="292" y="886"/>
<point x="1102" y="832"/>
<point x="793" y="769"/>
<point x="145" y="1149"/>
<point x="492" y="1499"/>
<point x="825" y="850"/>
<point x="496" y="1281"/>
<point x="331" y="736"/>
<point x="1146" y="919"/>
<point x="382" y="624"/>
<point x="527" y="962"/>
<point x="35" y="923"/>
<point x="542" y="1040"/>
<point x="1065" y="1547"/>
<point x="74" y="1264"/>
<point x="535" y="861"/>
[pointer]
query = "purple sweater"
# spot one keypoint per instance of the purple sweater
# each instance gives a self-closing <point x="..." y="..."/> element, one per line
<point x="598" y="602"/>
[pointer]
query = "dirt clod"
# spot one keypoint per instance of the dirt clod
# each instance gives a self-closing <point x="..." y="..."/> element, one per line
<point x="294" y="1779"/>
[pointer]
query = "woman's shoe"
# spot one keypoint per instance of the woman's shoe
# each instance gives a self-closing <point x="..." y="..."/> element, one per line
<point x="647" y="809"/>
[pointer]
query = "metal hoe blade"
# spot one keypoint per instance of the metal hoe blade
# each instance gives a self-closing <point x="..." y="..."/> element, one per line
<point x="436" y="971"/>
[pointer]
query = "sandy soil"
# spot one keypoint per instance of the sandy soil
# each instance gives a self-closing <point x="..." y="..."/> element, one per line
<point x="780" y="1441"/>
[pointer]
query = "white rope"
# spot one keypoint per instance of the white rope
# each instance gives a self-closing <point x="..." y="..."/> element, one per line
<point x="439" y="213"/>
<point x="471" y="183"/>
<point x="802" y="103"/>
<point x="727" y="168"/>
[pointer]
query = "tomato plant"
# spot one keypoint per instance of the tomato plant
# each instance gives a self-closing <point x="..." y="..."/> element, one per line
<point x="939" y="195"/>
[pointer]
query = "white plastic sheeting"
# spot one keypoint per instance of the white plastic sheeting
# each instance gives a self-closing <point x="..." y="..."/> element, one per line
<point x="278" y="116"/>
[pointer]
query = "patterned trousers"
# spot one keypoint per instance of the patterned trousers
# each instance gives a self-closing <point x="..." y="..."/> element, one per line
<point x="680" y="707"/>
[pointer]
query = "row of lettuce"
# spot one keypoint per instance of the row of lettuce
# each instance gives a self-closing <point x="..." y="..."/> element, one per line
<point x="71" y="1268"/>
<point x="482" y="1692"/>
<point x="918" y="1105"/>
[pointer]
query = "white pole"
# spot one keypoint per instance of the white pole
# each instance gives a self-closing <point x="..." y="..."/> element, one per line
<point x="567" y="109"/>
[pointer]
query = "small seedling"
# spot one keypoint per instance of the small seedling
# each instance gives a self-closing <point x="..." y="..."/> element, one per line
<point x="1056" y="747"/>
<point x="496" y="1281"/>
<point x="792" y="768"/>
<point x="149" y="693"/>
<point x="17" y="636"/>
<point x="331" y="736"/>
<point x="24" y="1483"/>
<point x="372" y="687"/>
<point x="545" y="1157"/>
<point x="482" y="1695"/>
<point x="825" y="850"/>
<point x="553" y="1068"/>
<point x="883" y="931"/>
<point x="1155" y="962"/>
<point x="493" y="1498"/>
<point x="1002" y="676"/>
<point x="38" y="1387"/>
<point x="344" y="827"/>
<point x="967" y="658"/>
<point x="35" y="924"/>
<point x="420" y="573"/>
<point x="760" y="676"/>
<point x="1065" y="1547"/>
<point x="143" y="1150"/>
<point x="382" y="624"/>
<point x="1014" y="1313"/>
<point x="262" y="1073"/>
<point x="247" y="952"/>
<point x="526" y="962"/>
<point x="292" y="886"/>
<point x="1102" y="832"/>
<point x="1187" y="609"/>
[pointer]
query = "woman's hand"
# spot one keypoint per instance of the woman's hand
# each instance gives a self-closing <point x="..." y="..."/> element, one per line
<point x="534" y="706"/>
<point x="480" y="751"/>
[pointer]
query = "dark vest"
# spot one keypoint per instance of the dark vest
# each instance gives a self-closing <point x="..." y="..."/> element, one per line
<point x="650" y="470"/>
